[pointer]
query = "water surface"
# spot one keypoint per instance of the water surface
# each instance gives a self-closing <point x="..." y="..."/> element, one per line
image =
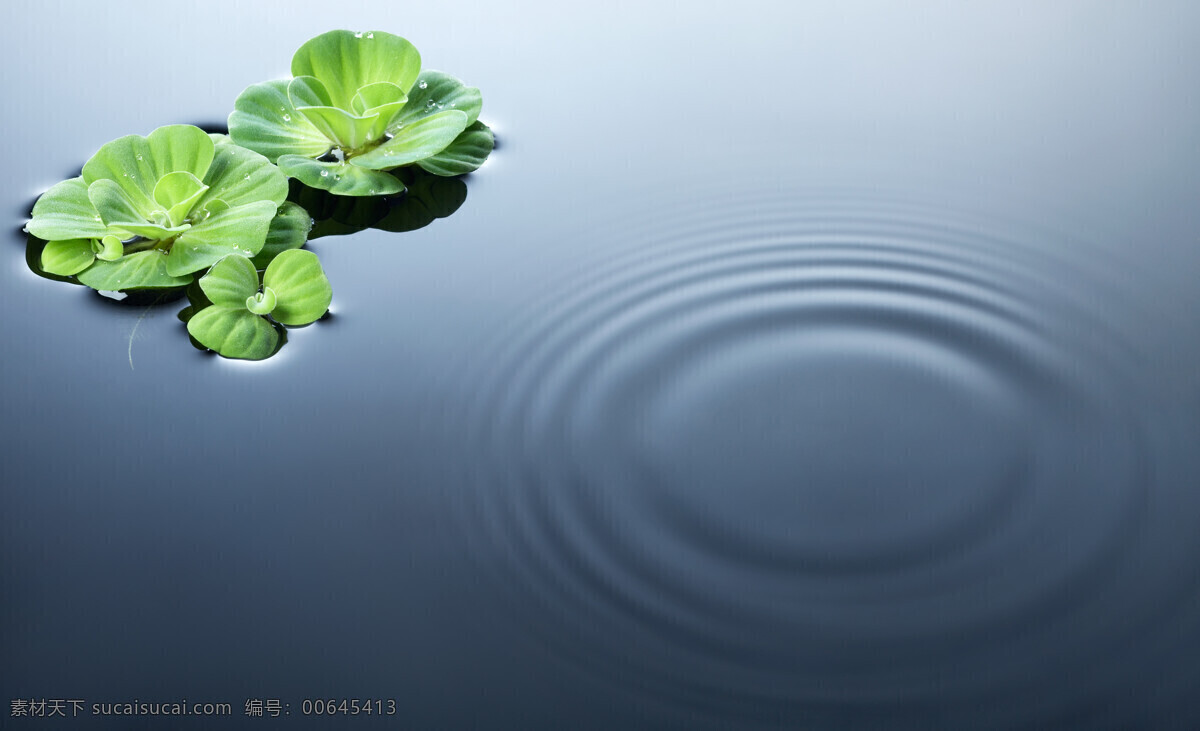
<point x="821" y="367"/>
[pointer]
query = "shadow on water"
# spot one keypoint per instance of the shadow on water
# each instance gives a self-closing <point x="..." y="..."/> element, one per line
<point x="428" y="197"/>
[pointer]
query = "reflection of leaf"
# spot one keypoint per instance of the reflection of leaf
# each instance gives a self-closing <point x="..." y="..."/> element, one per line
<point x="428" y="198"/>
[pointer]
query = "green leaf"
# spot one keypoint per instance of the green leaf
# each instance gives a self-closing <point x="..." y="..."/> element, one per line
<point x="136" y="163"/>
<point x="421" y="139"/>
<point x="261" y="303"/>
<point x="382" y="100"/>
<point x="347" y="130"/>
<point x="309" y="96"/>
<point x="230" y="281"/>
<point x="111" y="201"/>
<point x="238" y="176"/>
<point x="66" y="212"/>
<point x="308" y="91"/>
<point x="439" y="93"/>
<point x="302" y="290"/>
<point x="142" y="270"/>
<point x="468" y="151"/>
<point x="346" y="61"/>
<point x="109" y="248"/>
<point x="339" y="178"/>
<point x="177" y="192"/>
<point x="265" y="121"/>
<point x="289" y="230"/>
<point x="240" y="230"/>
<point x="379" y="95"/>
<point x="65" y="258"/>
<point x="233" y="332"/>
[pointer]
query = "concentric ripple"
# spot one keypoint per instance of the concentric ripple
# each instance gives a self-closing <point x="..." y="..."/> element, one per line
<point x="833" y="460"/>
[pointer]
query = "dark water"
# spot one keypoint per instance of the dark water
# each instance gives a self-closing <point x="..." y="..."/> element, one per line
<point x="824" y="367"/>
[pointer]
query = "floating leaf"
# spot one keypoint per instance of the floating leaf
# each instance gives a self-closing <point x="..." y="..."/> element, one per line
<point x="264" y="120"/>
<point x="436" y="91"/>
<point x="68" y="257"/>
<point x="414" y="142"/>
<point x="234" y="332"/>
<point x="339" y="178"/>
<point x="240" y="230"/>
<point x="302" y="290"/>
<point x="66" y="212"/>
<point x="176" y="193"/>
<point x="346" y="61"/>
<point x="137" y="163"/>
<point x="230" y="281"/>
<point x="468" y="151"/>
<point x="289" y="230"/>
<point x="238" y="176"/>
<point x="140" y="270"/>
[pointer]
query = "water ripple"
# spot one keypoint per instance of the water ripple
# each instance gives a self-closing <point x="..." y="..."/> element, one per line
<point x="838" y="460"/>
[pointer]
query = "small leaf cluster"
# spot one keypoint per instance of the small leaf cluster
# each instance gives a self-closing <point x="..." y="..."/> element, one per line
<point x="183" y="207"/>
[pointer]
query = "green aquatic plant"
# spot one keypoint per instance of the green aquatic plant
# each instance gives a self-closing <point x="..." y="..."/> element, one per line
<point x="184" y="211"/>
<point x="294" y="292"/>
<point x="149" y="212"/>
<point x="359" y="106"/>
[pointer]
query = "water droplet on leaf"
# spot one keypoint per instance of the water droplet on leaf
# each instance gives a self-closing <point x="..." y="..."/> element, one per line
<point x="424" y="85"/>
<point x="287" y="117"/>
<point x="358" y="34"/>
<point x="324" y="173"/>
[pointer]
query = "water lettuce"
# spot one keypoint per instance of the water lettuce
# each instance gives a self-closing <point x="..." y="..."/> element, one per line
<point x="359" y="106"/>
<point x="149" y="212"/>
<point x="294" y="292"/>
<point x="181" y="211"/>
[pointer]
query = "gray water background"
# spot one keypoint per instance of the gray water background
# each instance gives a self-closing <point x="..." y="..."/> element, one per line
<point x="823" y="365"/>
